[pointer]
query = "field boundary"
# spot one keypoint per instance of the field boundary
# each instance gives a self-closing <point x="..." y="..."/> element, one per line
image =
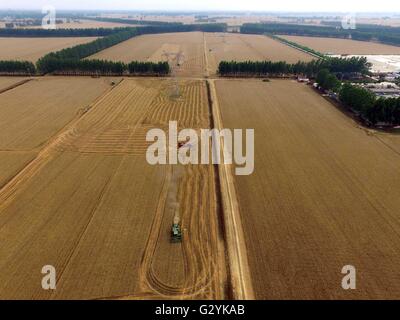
<point x="15" y="85"/>
<point x="239" y="271"/>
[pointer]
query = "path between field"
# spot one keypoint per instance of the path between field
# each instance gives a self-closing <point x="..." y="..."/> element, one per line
<point x="242" y="288"/>
<point x="238" y="265"/>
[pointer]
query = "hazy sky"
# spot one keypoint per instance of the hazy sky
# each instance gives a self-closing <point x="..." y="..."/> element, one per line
<point x="247" y="5"/>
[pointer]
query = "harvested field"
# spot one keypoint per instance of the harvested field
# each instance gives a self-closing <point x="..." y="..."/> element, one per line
<point x="324" y="194"/>
<point x="31" y="49"/>
<point x="92" y="206"/>
<point x="344" y="46"/>
<point x="33" y="112"/>
<point x="241" y="47"/>
<point x="185" y="49"/>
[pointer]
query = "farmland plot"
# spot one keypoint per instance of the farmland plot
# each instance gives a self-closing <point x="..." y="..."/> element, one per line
<point x="32" y="113"/>
<point x="92" y="206"/>
<point x="241" y="47"/>
<point x="31" y="49"/>
<point x="184" y="51"/>
<point x="344" y="46"/>
<point x="324" y="194"/>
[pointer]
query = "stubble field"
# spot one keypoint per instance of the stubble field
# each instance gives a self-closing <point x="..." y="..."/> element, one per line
<point x="31" y="49"/>
<point x="324" y="194"/>
<point x="344" y="46"/>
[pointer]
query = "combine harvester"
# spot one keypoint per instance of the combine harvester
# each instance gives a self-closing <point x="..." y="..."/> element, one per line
<point x="176" y="232"/>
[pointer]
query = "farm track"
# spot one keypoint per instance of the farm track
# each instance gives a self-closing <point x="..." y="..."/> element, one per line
<point x="32" y="49"/>
<point x="240" y="279"/>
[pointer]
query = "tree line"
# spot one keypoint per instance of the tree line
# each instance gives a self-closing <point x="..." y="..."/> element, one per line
<point x="338" y="66"/>
<point x="299" y="46"/>
<point x="106" y="67"/>
<point x="371" y="108"/>
<point x="17" y="67"/>
<point x="89" y="67"/>
<point x="363" y="32"/>
<point x="59" y="60"/>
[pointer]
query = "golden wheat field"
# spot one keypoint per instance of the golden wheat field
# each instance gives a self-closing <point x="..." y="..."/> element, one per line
<point x="91" y="205"/>
<point x="241" y="47"/>
<point x="32" y="112"/>
<point x="31" y="49"/>
<point x="344" y="46"/>
<point x="325" y="194"/>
